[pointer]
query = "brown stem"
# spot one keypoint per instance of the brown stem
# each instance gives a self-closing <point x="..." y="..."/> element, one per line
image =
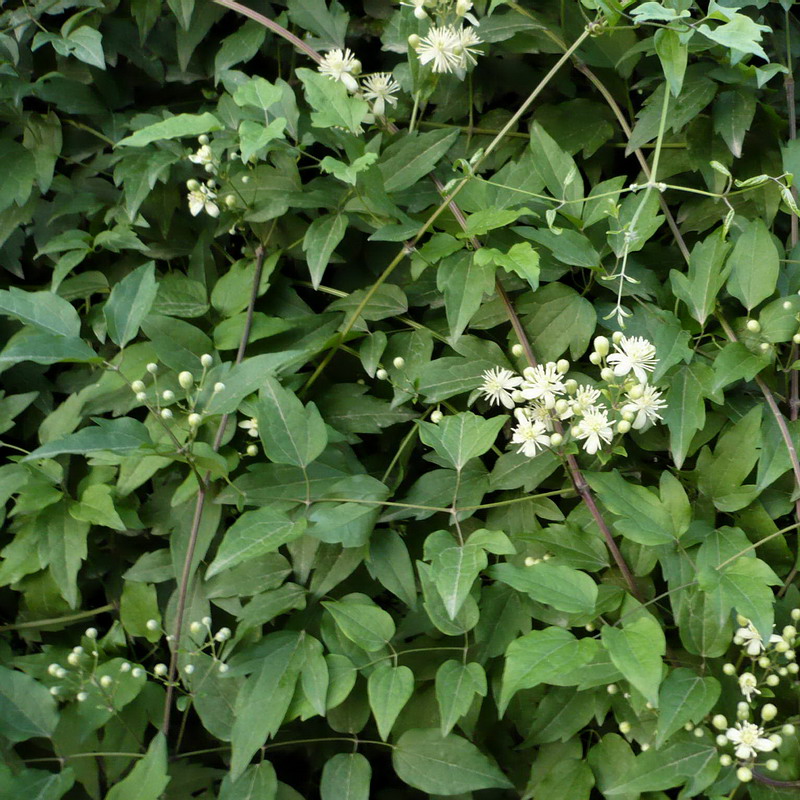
<point x="757" y="776"/>
<point x="202" y="494"/>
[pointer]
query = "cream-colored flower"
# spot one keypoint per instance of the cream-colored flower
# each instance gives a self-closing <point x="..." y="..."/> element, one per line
<point x="202" y="199"/>
<point x="646" y="407"/>
<point x="543" y="383"/>
<point x="442" y="46"/>
<point x="749" y="740"/>
<point x="380" y="89"/>
<point x="251" y="426"/>
<point x="498" y="385"/>
<point x="340" y="66"/>
<point x="594" y="428"/>
<point x="634" y="354"/>
<point x="203" y="156"/>
<point x="529" y="434"/>
<point x="748" y="683"/>
<point x="585" y="398"/>
<point x="751" y="639"/>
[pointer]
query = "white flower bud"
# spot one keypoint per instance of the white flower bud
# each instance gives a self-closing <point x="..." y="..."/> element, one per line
<point x="186" y="379"/>
<point x="624" y="727"/>
<point x="721" y="740"/>
<point x="744" y="774"/>
<point x="82" y="696"/>
<point x="775" y="739"/>
<point x="168" y="395"/>
<point x="436" y="416"/>
<point x="246" y="179"/>
<point x="795" y="614"/>
<point x="725" y="760"/>
<point x="788" y="729"/>
<point x="796" y="340"/>
<point x="772" y="764"/>
<point x="607" y="374"/>
<point x="192" y="185"/>
<point x="589" y="628"/>
<point x="219" y="387"/>
<point x="628" y="416"/>
<point x="753" y="325"/>
<point x="636" y="391"/>
<point x="561" y="407"/>
<point x="644" y="747"/>
<point x="223" y="634"/>
<point x="141" y="396"/>
<point x="188" y="669"/>
<point x="768" y="712"/>
<point x="206" y="621"/>
<point x="616" y="337"/>
<point x="729" y="669"/>
<point x="699" y="733"/>
<point x="595" y="358"/>
<point x="194" y="420"/>
<point x="399" y="362"/>
<point x="137" y="672"/>
<point x="764" y="662"/>
<point x="789" y="632"/>
<point x="530" y="561"/>
<point x="414" y="41"/>
<point x="764" y="346"/>
<point x="223" y="668"/>
<point x="556" y="440"/>
<point x="73" y="659"/>
<point x="230" y="200"/>
<point x="203" y="139"/>
<point x="195" y="627"/>
<point x="252" y="450"/>
<point x="688" y="726"/>
<point x="518" y="350"/>
<point x="137" y="386"/>
<point x="623" y="426"/>
<point x="562" y="366"/>
<point x="571" y="386"/>
<point x="53" y="670"/>
<point x="152" y="625"/>
<point x="124" y="667"/>
<point x="601" y="346"/>
<point x="517" y="396"/>
<point x="381" y="374"/>
<point x="720" y="722"/>
<point x="106" y="681"/>
<point x="160" y="669"/>
<point x="207" y="360"/>
<point x="790" y="655"/>
<point x="787" y="304"/>
<point x="90" y="633"/>
<point x="166" y="413"/>
<point x="772" y="680"/>
<point x="781" y="646"/>
<point x="793" y="668"/>
<point x="78" y="650"/>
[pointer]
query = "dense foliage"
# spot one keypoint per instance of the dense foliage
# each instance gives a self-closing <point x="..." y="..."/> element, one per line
<point x="399" y="400"/>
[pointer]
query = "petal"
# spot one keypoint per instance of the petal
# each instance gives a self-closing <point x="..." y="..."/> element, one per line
<point x="764" y="745"/>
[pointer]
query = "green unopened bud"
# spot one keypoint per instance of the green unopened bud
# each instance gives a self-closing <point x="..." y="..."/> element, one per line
<point x="160" y="669"/>
<point x="398" y="362"/>
<point x="725" y="760"/>
<point x="601" y="346"/>
<point x="764" y="662"/>
<point x="168" y="395"/>
<point x="722" y="740"/>
<point x="720" y="722"/>
<point x="414" y="41"/>
<point x="230" y="200"/>
<point x="436" y="416"/>
<point x="194" y="420"/>
<point x="788" y="729"/>
<point x="137" y="386"/>
<point x="796" y="338"/>
<point x="595" y="358"/>
<point x="772" y="680"/>
<point x="195" y="627"/>
<point x="607" y="374"/>
<point x="561" y="407"/>
<point x="90" y="633"/>
<point x="772" y="764"/>
<point x="744" y="774"/>
<point x="768" y="712"/>
<point x="623" y="426"/>
<point x="556" y="440"/>
<point x="219" y="387"/>
<point x="106" y="681"/>
<point x="562" y="366"/>
<point x="571" y="386"/>
<point x="186" y="380"/>
<point x="381" y="374"/>
<point x="141" y="396"/>
<point x="617" y="337"/>
<point x="166" y="413"/>
<point x="624" y="727"/>
<point x="775" y="739"/>
<point x="206" y="360"/>
<point x="152" y="368"/>
<point x="203" y="139"/>
<point x="192" y="185"/>
<point x="518" y="350"/>
<point x="152" y="625"/>
<point x="635" y="392"/>
<point x="753" y="325"/>
<point x="729" y="669"/>
<point x="612" y="688"/>
<point x="252" y="450"/>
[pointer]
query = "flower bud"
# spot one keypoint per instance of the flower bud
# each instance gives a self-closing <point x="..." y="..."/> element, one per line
<point x="141" y="396"/>
<point x="788" y="729"/>
<point x="725" y="760"/>
<point x="589" y="628"/>
<point x="192" y="185"/>
<point x="617" y="337"/>
<point x="203" y="139"/>
<point x="753" y="325"/>
<point x="623" y="426"/>
<point x="517" y="396"/>
<point x="595" y="358"/>
<point x="194" y="420"/>
<point x="796" y="338"/>
<point x="206" y="360"/>
<point x="166" y="413"/>
<point x="530" y="561"/>
<point x="612" y="688"/>
<point x="624" y="727"/>
<point x="73" y="659"/>
<point x="768" y="712"/>
<point x="635" y="392"/>
<point x="775" y="739"/>
<point x="721" y="740"/>
<point x="787" y="304"/>
<point x="571" y="386"/>
<point x="168" y="395"/>
<point x="562" y="366"/>
<point x="719" y="721"/>
<point x="764" y="346"/>
<point x="399" y="362"/>
<point x="106" y="681"/>
<point x="219" y="387"/>
<point x="436" y="416"/>
<point x="188" y="669"/>
<point x="601" y="346"/>
<point x="793" y="668"/>
<point x="252" y="450"/>
<point x="688" y="727"/>
<point x="223" y="668"/>
<point x="90" y="633"/>
<point x="795" y="614"/>
<point x="772" y="680"/>
<point x="53" y="670"/>
<point x="223" y="634"/>
<point x="124" y="667"/>
<point x="206" y="621"/>
<point x="789" y="631"/>
<point x="772" y="764"/>
<point x="783" y="672"/>
<point x="414" y="41"/>
<point x="160" y="669"/>
<point x="699" y="733"/>
<point x="137" y="672"/>
<point x="152" y="625"/>
<point x="729" y="669"/>
<point x="230" y="200"/>
<point x="781" y="646"/>
<point x="137" y="386"/>
<point x="152" y="368"/>
<point x="607" y="374"/>
<point x="561" y="407"/>
<point x="82" y="696"/>
<point x="518" y="350"/>
<point x="381" y="374"/>
<point x="556" y="440"/>
<point x="764" y="662"/>
<point x="644" y="747"/>
<point x="186" y="379"/>
<point x="744" y="774"/>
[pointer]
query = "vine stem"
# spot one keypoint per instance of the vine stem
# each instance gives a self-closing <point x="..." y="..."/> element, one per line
<point x="575" y="473"/>
<point x="202" y="494"/>
<point x="41" y="623"/>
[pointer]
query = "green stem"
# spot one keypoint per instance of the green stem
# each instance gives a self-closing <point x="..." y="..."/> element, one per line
<point x="69" y="618"/>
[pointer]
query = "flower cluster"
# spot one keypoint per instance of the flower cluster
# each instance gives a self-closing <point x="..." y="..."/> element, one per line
<point x="543" y="397"/>
<point x="773" y="660"/>
<point x="203" y="196"/>
<point x="447" y="48"/>
<point x="378" y="89"/>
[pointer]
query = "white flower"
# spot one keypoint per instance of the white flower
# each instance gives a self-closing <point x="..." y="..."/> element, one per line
<point x="751" y="639"/>
<point x="530" y="435"/>
<point x="379" y="88"/>
<point x="585" y="398"/>
<point x="203" y="156"/>
<point x="542" y="383"/>
<point x="539" y="412"/>
<point x="635" y="354"/>
<point x="251" y="426"/>
<point x="748" y="683"/>
<point x="443" y="47"/>
<point x="749" y="740"/>
<point x="593" y="427"/>
<point x="468" y="40"/>
<point x="339" y="66"/>
<point x="498" y="384"/>
<point x="202" y="199"/>
<point x="645" y="407"/>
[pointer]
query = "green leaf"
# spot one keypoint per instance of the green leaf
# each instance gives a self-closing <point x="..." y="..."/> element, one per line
<point x="172" y="128"/>
<point x="345" y="776"/>
<point x="461" y="437"/>
<point x="240" y="46"/>
<point x="139" y="604"/>
<point x="361" y="621"/>
<point x="456" y="686"/>
<point x="636" y="651"/>
<point x="733" y="114"/>
<point x="333" y="106"/>
<point x="45" y="348"/>
<point x="541" y="657"/>
<point x="685" y="413"/>
<point x="254" y="136"/>
<point x="464" y="282"/>
<point x="738" y="33"/>
<point x="734" y="363"/>
<point x="644" y="518"/>
<point x="754" y="265"/>
<point x="66" y="548"/>
<point x="328" y="23"/>
<point x="18" y="168"/>
<point x="389" y="689"/>
<point x="520" y="259"/>
<point x="454" y="570"/>
<point x="348" y="172"/>
<point x="558" y="170"/>
<point x="707" y="274"/>
<point x="437" y="764"/>
<point x="290" y="432"/>
<point x="130" y="302"/>
<point x="44" y="310"/>
<point x="562" y="587"/>
<point x="86" y="44"/>
<point x="672" y="53"/>
<point x="257" y="92"/>
<point x="684" y="697"/>
<point x="148" y="778"/>
<point x="124" y="435"/>
<point x="27" y="709"/>
<point x="257" y="782"/>
<point x="390" y="563"/>
<point x="321" y="239"/>
<point x="36" y="784"/>
<point x="413" y="156"/>
<point x="254" y="534"/>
